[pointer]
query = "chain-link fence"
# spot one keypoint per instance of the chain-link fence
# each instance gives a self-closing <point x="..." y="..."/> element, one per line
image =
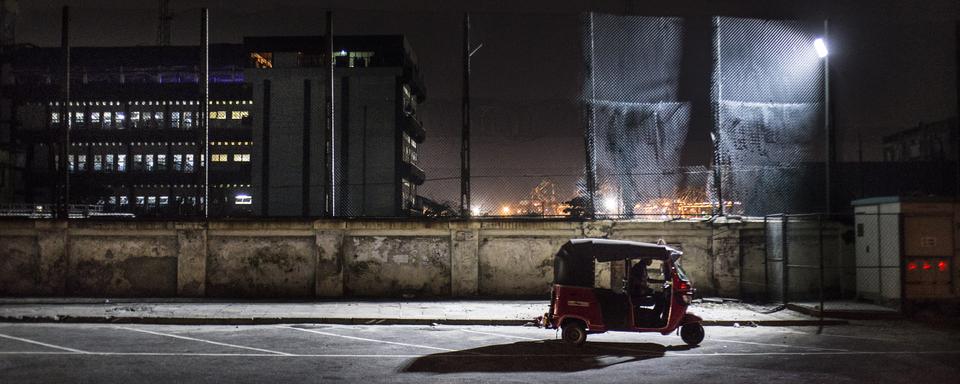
<point x="880" y="259"/>
<point x="570" y="116"/>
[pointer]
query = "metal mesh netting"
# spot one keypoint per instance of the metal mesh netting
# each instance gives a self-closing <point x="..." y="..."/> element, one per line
<point x="637" y="125"/>
<point x="767" y="91"/>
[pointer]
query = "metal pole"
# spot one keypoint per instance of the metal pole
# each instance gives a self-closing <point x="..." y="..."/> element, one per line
<point x="465" y="130"/>
<point x="590" y="132"/>
<point x="205" y="104"/>
<point x="717" y="93"/>
<point x="826" y="115"/>
<point x="820" y="240"/>
<point x="330" y="147"/>
<point x="62" y="201"/>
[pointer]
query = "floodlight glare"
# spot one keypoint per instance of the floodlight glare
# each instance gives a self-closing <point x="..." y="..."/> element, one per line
<point x="821" y="48"/>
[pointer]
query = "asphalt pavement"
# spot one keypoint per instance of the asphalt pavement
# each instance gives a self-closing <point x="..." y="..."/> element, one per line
<point x="889" y="351"/>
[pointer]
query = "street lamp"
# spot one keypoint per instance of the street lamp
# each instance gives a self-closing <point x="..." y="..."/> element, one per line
<point x="820" y="46"/>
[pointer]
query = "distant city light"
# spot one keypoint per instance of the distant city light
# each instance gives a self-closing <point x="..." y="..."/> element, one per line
<point x="505" y="210"/>
<point x="243" y="200"/>
<point x="475" y="211"/>
<point x="610" y="204"/>
<point x="821" y="48"/>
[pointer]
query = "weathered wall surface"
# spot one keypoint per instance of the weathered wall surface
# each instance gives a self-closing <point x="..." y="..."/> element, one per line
<point x="334" y="258"/>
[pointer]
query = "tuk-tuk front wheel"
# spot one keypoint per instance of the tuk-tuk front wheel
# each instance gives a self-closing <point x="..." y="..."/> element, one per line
<point x="692" y="333"/>
<point x="574" y="332"/>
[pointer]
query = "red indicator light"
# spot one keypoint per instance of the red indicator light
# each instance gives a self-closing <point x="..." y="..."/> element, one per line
<point x="911" y="266"/>
<point x="926" y="265"/>
<point x="942" y="266"/>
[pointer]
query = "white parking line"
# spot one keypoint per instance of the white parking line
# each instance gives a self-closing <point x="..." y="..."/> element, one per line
<point x="43" y="344"/>
<point x="371" y="340"/>
<point x="205" y="341"/>
<point x="779" y="345"/>
<point x="474" y="356"/>
<point x="500" y="334"/>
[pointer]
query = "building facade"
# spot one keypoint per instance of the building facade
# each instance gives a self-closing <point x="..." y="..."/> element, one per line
<point x="373" y="158"/>
<point x="136" y="139"/>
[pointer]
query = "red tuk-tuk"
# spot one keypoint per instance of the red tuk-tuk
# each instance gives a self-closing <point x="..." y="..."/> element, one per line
<point x="658" y="304"/>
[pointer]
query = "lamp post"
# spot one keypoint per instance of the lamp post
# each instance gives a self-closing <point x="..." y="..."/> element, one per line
<point x="823" y="52"/>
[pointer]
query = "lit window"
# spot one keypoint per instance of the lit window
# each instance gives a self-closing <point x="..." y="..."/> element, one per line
<point x="70" y="163"/>
<point x="218" y="157"/>
<point x="218" y="115"/>
<point x="175" y="119"/>
<point x="237" y="115"/>
<point x="121" y="163"/>
<point x="108" y="163"/>
<point x="107" y="119"/>
<point x="112" y="200"/>
<point x="140" y="200"/>
<point x="164" y="200"/>
<point x="97" y="162"/>
<point x="188" y="163"/>
<point x="54" y="117"/>
<point x="78" y="117"/>
<point x="177" y="162"/>
<point x="119" y="117"/>
<point x="161" y="162"/>
<point x="149" y="162"/>
<point x="134" y="119"/>
<point x="81" y="162"/>
<point x="95" y="117"/>
<point x="241" y="157"/>
<point x="151" y="200"/>
<point x="188" y="120"/>
<point x="243" y="200"/>
<point x="124" y="200"/>
<point x="137" y="162"/>
<point x="158" y="116"/>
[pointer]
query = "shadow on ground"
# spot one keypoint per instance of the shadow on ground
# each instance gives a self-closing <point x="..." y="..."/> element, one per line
<point x="539" y="356"/>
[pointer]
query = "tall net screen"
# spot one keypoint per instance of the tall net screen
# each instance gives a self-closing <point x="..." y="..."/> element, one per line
<point x="768" y="97"/>
<point x="637" y="124"/>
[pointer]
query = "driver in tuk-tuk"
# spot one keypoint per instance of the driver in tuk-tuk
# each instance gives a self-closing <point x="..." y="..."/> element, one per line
<point x="640" y="292"/>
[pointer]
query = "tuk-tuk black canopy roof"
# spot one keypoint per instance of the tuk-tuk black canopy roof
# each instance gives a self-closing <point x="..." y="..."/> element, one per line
<point x="609" y="250"/>
<point x="573" y="264"/>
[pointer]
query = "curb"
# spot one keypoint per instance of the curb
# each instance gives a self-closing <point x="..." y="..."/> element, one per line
<point x="852" y="315"/>
<point x="358" y="321"/>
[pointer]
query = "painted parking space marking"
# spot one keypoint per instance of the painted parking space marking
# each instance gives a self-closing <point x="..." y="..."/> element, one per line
<point x="500" y="335"/>
<point x="475" y="355"/>
<point x="370" y="340"/>
<point x="42" y="344"/>
<point x="779" y="345"/>
<point x="206" y="341"/>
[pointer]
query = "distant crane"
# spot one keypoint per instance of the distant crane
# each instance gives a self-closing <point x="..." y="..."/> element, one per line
<point x="163" y="23"/>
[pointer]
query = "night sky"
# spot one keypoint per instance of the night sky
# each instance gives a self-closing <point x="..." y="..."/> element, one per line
<point x="893" y="62"/>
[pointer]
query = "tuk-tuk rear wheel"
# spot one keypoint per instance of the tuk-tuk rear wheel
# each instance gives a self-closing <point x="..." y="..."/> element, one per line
<point x="692" y="333"/>
<point x="574" y="333"/>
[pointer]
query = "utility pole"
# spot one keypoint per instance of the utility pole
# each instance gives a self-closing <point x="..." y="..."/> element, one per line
<point x="163" y="23"/>
<point x="330" y="145"/>
<point x="62" y="201"/>
<point x="826" y="118"/>
<point x="205" y="104"/>
<point x="465" y="129"/>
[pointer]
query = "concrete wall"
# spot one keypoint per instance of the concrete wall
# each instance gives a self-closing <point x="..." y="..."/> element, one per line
<point x="334" y="258"/>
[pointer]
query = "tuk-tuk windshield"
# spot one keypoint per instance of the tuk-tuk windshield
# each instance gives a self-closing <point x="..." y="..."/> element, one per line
<point x="680" y="273"/>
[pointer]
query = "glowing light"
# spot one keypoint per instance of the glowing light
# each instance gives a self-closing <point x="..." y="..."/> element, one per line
<point x="475" y="211"/>
<point x="942" y="266"/>
<point x="911" y="266"/>
<point x="821" y="48"/>
<point x="505" y="210"/>
<point x="610" y="203"/>
<point x="926" y="265"/>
